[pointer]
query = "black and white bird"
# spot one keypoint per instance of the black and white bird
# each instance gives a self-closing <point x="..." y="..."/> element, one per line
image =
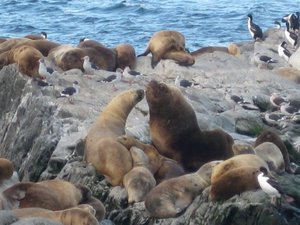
<point x="131" y="75"/>
<point x="291" y="36"/>
<point x="263" y="60"/>
<point x="184" y="82"/>
<point x="70" y="92"/>
<point x="114" y="78"/>
<point x="89" y="67"/>
<point x="44" y="70"/>
<point x="269" y="185"/>
<point x="42" y="82"/>
<point x="293" y="20"/>
<point x="288" y="109"/>
<point x="255" y="30"/>
<point x="42" y="35"/>
<point x="283" y="51"/>
<point x="277" y="100"/>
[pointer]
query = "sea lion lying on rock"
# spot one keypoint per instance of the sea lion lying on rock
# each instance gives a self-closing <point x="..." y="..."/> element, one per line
<point x="168" y="44"/>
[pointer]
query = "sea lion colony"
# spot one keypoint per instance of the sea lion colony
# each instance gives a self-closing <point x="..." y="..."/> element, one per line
<point x="151" y="170"/>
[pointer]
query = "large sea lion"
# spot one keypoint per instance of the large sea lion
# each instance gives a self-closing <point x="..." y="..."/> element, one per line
<point x="172" y="196"/>
<point x="235" y="175"/>
<point x="49" y="194"/>
<point x="43" y="45"/>
<point x="175" y="132"/>
<point x="12" y="42"/>
<point x="168" y="44"/>
<point x="26" y="57"/>
<point x="271" y="136"/>
<point x="102" y="149"/>
<point x="72" y="216"/>
<point x="67" y="57"/>
<point x="125" y="56"/>
<point x="162" y="167"/>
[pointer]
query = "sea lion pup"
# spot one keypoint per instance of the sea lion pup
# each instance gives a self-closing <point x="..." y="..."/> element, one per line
<point x="139" y="180"/>
<point x="232" y="49"/>
<point x="168" y="44"/>
<point x="49" y="194"/>
<point x="242" y="148"/>
<point x="72" y="216"/>
<point x="271" y="136"/>
<point x="125" y="56"/>
<point x="234" y="181"/>
<point x="269" y="152"/>
<point x="162" y="167"/>
<point x="6" y="169"/>
<point x="172" y="196"/>
<point x="175" y="132"/>
<point x="102" y="150"/>
<point x="97" y="206"/>
<point x="67" y="57"/>
<point x="26" y="58"/>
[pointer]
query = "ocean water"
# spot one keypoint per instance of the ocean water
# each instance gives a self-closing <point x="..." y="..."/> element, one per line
<point x="203" y="22"/>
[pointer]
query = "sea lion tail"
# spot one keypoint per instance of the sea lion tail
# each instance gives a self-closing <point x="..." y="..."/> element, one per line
<point x="147" y="51"/>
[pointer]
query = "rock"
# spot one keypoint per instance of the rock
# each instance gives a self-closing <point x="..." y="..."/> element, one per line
<point x="294" y="59"/>
<point x="44" y="135"/>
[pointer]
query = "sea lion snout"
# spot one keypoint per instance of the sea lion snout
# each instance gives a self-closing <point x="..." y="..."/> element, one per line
<point x="140" y="94"/>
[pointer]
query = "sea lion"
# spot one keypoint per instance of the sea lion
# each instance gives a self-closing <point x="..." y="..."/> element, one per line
<point x="26" y="58"/>
<point x="162" y="167"/>
<point x="235" y="175"/>
<point x="242" y="149"/>
<point x="49" y="194"/>
<point x="102" y="150"/>
<point x="87" y="43"/>
<point x="125" y="56"/>
<point x="175" y="132"/>
<point x="6" y="169"/>
<point x="232" y="49"/>
<point x="97" y="206"/>
<point x="67" y="57"/>
<point x="168" y="44"/>
<point x="269" y="152"/>
<point x="44" y="46"/>
<point x="271" y="136"/>
<point x="172" y="196"/>
<point x="72" y="216"/>
<point x="236" y="162"/>
<point x="3" y="40"/>
<point x="234" y="181"/>
<point x="40" y="36"/>
<point x="11" y="42"/>
<point x="139" y="180"/>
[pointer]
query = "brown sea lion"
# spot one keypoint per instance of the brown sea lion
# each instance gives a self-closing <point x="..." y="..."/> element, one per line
<point x="88" y="43"/>
<point x="26" y="58"/>
<point x="175" y="132"/>
<point x="97" y="206"/>
<point x="3" y="40"/>
<point x="162" y="167"/>
<point x="236" y="162"/>
<point x="102" y="149"/>
<point x="125" y="56"/>
<point x="49" y="194"/>
<point x="271" y="136"/>
<point x="11" y="42"/>
<point x="44" y="46"/>
<point x="234" y="181"/>
<point x="139" y="180"/>
<point x="272" y="155"/>
<point x="40" y="36"/>
<point x="168" y="44"/>
<point x="235" y="175"/>
<point x="232" y="49"/>
<point x="71" y="216"/>
<point x="242" y="149"/>
<point x="172" y="196"/>
<point x="67" y="57"/>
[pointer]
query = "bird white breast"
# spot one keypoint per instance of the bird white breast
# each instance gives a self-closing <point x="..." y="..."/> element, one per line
<point x="249" y="28"/>
<point x="266" y="187"/>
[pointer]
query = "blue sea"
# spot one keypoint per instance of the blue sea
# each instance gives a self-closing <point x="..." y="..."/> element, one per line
<point x="203" y="22"/>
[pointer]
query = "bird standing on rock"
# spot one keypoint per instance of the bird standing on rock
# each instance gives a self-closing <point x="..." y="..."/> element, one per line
<point x="114" y="78"/>
<point x="70" y="92"/>
<point x="184" y="83"/>
<point x="263" y="60"/>
<point x="283" y="51"/>
<point x="291" y="36"/>
<point x="131" y="75"/>
<point x="45" y="71"/>
<point x="88" y="66"/>
<point x="255" y="30"/>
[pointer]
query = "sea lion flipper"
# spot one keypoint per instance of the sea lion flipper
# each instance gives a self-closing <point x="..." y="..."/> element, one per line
<point x="147" y="51"/>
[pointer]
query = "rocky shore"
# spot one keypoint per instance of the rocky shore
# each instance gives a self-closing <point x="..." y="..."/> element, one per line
<point x="44" y="135"/>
